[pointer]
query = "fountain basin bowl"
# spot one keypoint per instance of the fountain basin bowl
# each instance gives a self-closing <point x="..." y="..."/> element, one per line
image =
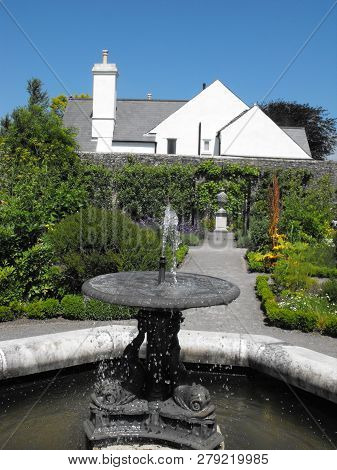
<point x="141" y="289"/>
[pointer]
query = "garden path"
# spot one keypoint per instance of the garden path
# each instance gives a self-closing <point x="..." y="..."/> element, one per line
<point x="219" y="257"/>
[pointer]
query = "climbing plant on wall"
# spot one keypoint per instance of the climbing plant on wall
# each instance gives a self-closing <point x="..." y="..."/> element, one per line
<point x="144" y="190"/>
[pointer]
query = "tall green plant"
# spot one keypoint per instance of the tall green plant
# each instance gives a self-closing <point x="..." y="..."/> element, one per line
<point x="97" y="241"/>
<point x="307" y="211"/>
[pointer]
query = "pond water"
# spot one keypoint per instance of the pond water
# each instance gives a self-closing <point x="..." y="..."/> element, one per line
<point x="253" y="411"/>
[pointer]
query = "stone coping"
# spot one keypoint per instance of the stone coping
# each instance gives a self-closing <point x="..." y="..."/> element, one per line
<point x="301" y="367"/>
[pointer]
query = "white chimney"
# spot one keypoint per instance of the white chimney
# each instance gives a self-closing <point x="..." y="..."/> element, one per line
<point x="104" y="103"/>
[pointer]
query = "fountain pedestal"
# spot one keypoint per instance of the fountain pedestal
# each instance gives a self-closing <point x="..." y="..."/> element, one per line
<point x="172" y="413"/>
<point x="149" y="401"/>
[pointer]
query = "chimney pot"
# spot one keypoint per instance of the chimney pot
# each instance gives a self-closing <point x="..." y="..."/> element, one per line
<point x="105" y="56"/>
<point x="203" y="86"/>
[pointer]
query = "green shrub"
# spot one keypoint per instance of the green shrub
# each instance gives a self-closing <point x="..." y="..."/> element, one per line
<point x="258" y="232"/>
<point x="10" y="289"/>
<point x="98" y="241"/>
<point x="96" y="310"/>
<point x="41" y="309"/>
<point x="297" y="311"/>
<point x="323" y="271"/>
<point x="51" y="308"/>
<point x="305" y="321"/>
<point x="6" y="314"/>
<point x="329" y="289"/>
<point x="190" y="239"/>
<point x="208" y="224"/>
<point x="73" y="307"/>
<point x="242" y="240"/>
<point x="255" y="261"/>
<point x="306" y="209"/>
<point x="292" y="274"/>
<point x="18" y="308"/>
<point x="331" y="326"/>
<point x="181" y="253"/>
<point x="34" y="310"/>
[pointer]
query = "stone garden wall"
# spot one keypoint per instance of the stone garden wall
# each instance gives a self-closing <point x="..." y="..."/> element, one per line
<point x="113" y="160"/>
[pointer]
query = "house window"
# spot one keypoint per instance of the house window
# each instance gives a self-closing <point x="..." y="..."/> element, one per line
<point x="171" y="146"/>
<point x="206" y="145"/>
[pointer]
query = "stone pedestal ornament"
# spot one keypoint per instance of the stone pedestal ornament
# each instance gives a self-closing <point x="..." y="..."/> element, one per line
<point x="221" y="214"/>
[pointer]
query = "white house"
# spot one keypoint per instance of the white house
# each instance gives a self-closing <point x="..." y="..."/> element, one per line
<point x="215" y="122"/>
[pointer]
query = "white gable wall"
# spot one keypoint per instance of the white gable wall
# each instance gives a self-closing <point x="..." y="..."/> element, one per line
<point x="213" y="107"/>
<point x="254" y="134"/>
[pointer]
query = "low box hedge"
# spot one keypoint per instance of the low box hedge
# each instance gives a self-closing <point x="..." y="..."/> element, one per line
<point x="291" y="319"/>
<point x="71" y="307"/>
<point x="75" y="307"/>
<point x="6" y="314"/>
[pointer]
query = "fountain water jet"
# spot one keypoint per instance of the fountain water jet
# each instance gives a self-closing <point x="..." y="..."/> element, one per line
<point x="151" y="402"/>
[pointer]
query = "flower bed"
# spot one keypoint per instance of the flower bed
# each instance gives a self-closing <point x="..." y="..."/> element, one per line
<point x="302" y="311"/>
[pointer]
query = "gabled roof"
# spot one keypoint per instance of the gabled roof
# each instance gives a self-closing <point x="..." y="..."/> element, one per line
<point x="228" y="105"/>
<point x="299" y="135"/>
<point x="137" y="117"/>
<point x="254" y="134"/>
<point x="134" y="118"/>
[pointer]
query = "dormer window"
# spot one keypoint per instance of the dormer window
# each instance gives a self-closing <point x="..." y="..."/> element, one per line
<point x="171" y="146"/>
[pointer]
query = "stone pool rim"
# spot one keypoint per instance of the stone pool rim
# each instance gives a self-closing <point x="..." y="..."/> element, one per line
<point x="304" y="368"/>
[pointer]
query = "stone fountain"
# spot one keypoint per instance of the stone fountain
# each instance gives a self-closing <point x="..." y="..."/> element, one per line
<point x="150" y="401"/>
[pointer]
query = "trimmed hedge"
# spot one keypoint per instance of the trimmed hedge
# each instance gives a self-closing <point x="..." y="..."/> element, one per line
<point x="291" y="319"/>
<point x="72" y="307"/>
<point x="6" y="314"/>
<point x="75" y="307"/>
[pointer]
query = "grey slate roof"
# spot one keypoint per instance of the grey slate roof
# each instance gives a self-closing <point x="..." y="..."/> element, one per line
<point x="78" y="115"/>
<point x="133" y="119"/>
<point x="299" y="135"/>
<point x="137" y="117"/>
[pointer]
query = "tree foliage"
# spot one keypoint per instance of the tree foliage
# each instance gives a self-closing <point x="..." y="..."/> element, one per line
<point x="42" y="179"/>
<point x="319" y="126"/>
<point x="306" y="208"/>
<point x="37" y="96"/>
<point x="274" y="199"/>
<point x="81" y="96"/>
<point x="59" y="104"/>
<point x="307" y="211"/>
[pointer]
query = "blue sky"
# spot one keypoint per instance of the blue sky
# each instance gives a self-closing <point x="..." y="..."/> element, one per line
<point x="169" y="48"/>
